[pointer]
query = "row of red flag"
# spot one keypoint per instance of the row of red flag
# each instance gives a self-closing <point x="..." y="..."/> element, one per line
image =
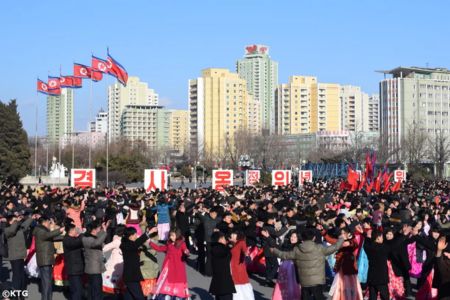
<point x="357" y="181"/>
<point x="95" y="72"/>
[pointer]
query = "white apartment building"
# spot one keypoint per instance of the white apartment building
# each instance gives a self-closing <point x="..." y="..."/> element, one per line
<point x="414" y="96"/>
<point x="100" y="124"/>
<point x="135" y="93"/>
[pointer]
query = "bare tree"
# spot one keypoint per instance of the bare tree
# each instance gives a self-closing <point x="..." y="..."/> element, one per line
<point x="439" y="151"/>
<point x="414" y="146"/>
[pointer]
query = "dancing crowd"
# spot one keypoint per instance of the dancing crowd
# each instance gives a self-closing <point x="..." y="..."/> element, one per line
<point x="313" y="242"/>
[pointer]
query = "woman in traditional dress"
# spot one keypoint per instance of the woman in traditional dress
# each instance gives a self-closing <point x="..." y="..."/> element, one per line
<point x="172" y="281"/>
<point x="112" y="277"/>
<point x="287" y="285"/>
<point x="244" y="289"/>
<point x="395" y="285"/>
<point x="134" y="217"/>
<point x="346" y="285"/>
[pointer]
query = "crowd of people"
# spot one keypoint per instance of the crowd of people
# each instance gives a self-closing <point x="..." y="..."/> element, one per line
<point x="304" y="242"/>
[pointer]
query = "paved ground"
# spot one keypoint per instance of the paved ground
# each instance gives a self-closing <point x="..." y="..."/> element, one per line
<point x="198" y="285"/>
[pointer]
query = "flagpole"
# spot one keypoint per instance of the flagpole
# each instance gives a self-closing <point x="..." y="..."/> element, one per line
<point x="35" y="136"/>
<point x="90" y="118"/>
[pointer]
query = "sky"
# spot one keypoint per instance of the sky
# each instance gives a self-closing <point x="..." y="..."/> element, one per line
<point x="166" y="43"/>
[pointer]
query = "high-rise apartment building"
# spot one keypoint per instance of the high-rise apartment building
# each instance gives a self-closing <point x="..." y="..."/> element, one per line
<point x="136" y="93"/>
<point x="145" y="123"/>
<point x="261" y="75"/>
<point x="179" y="130"/>
<point x="218" y="108"/>
<point x="100" y="124"/>
<point x="371" y="111"/>
<point x="59" y="115"/>
<point x="414" y="97"/>
<point x="354" y="103"/>
<point x="306" y="106"/>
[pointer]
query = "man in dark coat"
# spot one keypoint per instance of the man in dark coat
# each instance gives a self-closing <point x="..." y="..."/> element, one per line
<point x="74" y="261"/>
<point x="209" y="223"/>
<point x="132" y="275"/>
<point x="45" y="254"/>
<point x="377" y="276"/>
<point x="222" y="285"/>
<point x="269" y="241"/>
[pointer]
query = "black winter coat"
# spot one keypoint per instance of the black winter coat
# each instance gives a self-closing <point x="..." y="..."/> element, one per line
<point x="221" y="282"/>
<point x="377" y="254"/>
<point x="73" y="255"/>
<point x="399" y="254"/>
<point x="131" y="259"/>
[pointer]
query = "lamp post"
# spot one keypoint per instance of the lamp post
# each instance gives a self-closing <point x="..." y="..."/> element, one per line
<point x="245" y="163"/>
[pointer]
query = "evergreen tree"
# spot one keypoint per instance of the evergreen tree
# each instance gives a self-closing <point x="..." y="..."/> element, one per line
<point x="14" y="151"/>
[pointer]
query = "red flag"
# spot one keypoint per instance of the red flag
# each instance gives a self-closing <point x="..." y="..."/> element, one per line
<point x="116" y="70"/>
<point x="54" y="92"/>
<point x="81" y="71"/>
<point x="352" y="178"/>
<point x="70" y="81"/>
<point x="369" y="187"/>
<point x="378" y="183"/>
<point x="42" y="87"/>
<point x="53" y="83"/>
<point x="99" y="64"/>
<point x="387" y="183"/>
<point x="396" y="186"/>
<point x="96" y="75"/>
<point x="362" y="183"/>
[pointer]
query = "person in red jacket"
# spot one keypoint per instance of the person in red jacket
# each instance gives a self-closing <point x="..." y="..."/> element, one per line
<point x="172" y="280"/>
<point x="244" y="289"/>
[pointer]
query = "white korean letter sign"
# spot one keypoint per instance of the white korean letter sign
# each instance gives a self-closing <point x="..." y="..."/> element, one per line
<point x="252" y="177"/>
<point x="84" y="178"/>
<point x="281" y="177"/>
<point x="155" y="179"/>
<point x="221" y="179"/>
<point x="399" y="175"/>
<point x="305" y="176"/>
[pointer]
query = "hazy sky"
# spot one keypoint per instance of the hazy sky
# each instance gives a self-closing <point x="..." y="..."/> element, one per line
<point x="165" y="43"/>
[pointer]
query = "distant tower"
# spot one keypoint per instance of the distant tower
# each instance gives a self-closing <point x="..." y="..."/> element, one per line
<point x="59" y="115"/>
<point x="261" y="74"/>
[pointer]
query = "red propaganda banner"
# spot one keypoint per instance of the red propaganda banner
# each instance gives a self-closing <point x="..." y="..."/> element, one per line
<point x="281" y="177"/>
<point x="399" y="175"/>
<point x="252" y="177"/>
<point x="221" y="179"/>
<point x="305" y="176"/>
<point x="84" y="178"/>
<point x="155" y="179"/>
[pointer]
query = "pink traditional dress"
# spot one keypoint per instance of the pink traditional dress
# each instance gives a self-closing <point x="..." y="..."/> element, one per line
<point x="172" y="280"/>
<point x="395" y="285"/>
<point x="416" y="267"/>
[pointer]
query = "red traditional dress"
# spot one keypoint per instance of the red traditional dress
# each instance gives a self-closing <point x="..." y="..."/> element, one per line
<point x="244" y="290"/>
<point x="172" y="280"/>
